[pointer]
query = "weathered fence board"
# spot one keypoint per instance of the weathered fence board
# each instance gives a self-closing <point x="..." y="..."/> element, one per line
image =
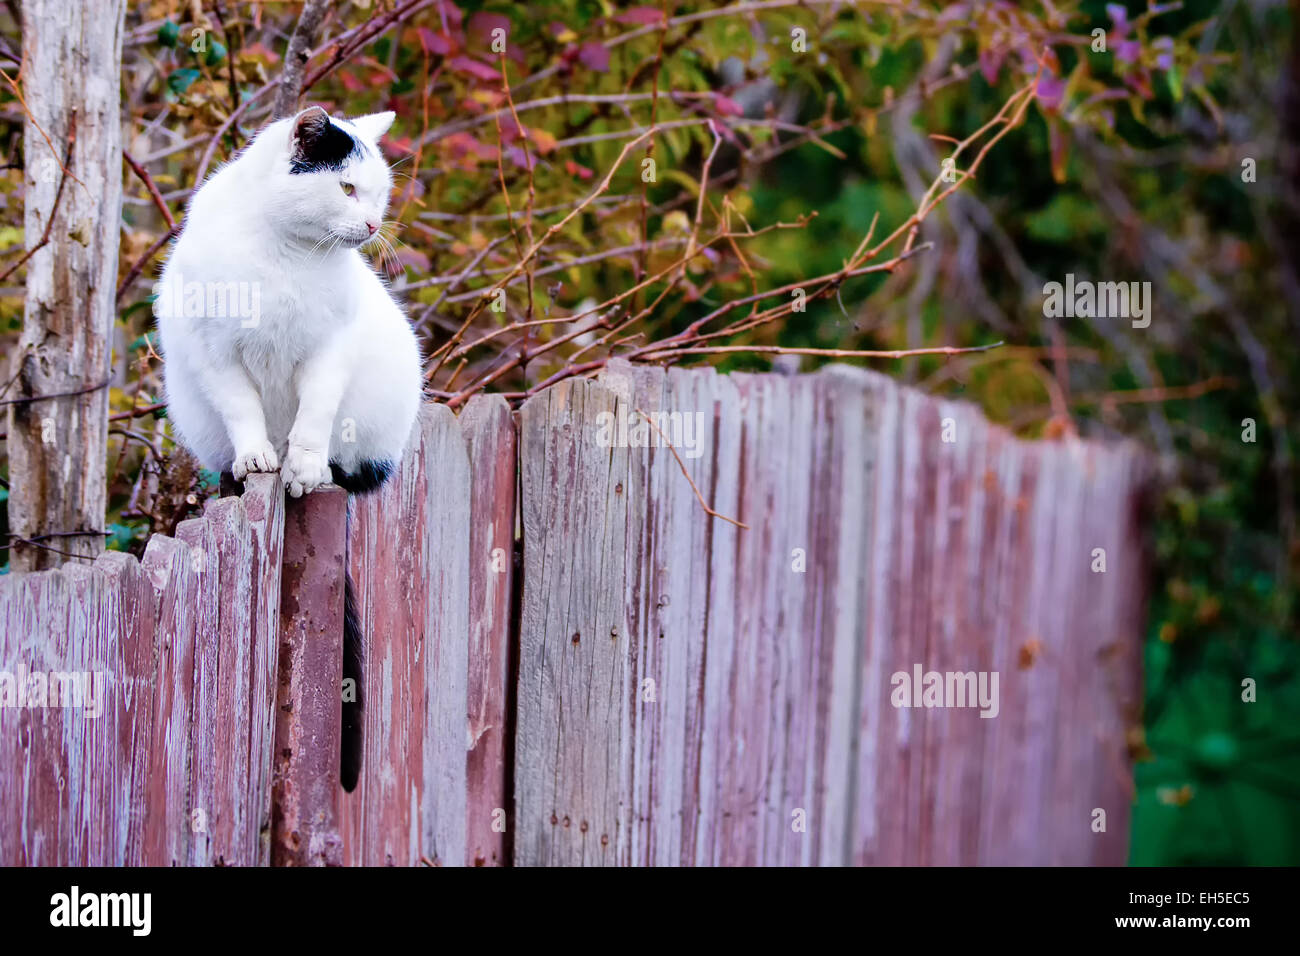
<point x="410" y="559"/>
<point x="737" y="709"/>
<point x="648" y="685"/>
<point x="176" y="767"/>
<point x="308" y="712"/>
<point x="173" y="568"/>
<point x="490" y="434"/>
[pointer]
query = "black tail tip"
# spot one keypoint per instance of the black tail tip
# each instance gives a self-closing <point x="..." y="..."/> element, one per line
<point x="369" y="475"/>
<point x="353" y="653"/>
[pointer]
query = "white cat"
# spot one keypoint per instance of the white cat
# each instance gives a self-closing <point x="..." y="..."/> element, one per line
<point x="282" y="348"/>
<point x="280" y="343"/>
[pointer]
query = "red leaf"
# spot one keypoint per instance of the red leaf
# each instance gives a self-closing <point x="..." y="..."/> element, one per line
<point x="465" y="64"/>
<point x="573" y="169"/>
<point x="594" y="56"/>
<point x="350" y="82"/>
<point x="462" y="145"/>
<point x="641" y="15"/>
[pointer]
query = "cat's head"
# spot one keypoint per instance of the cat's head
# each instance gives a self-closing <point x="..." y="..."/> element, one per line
<point x="330" y="180"/>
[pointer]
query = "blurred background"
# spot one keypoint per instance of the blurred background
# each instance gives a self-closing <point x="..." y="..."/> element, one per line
<point x="1158" y="143"/>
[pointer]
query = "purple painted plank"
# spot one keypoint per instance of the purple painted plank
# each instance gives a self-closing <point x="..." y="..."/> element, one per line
<point x="309" y="713"/>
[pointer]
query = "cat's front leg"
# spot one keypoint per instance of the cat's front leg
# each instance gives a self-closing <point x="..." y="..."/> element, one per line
<point x="229" y="390"/>
<point x="319" y="382"/>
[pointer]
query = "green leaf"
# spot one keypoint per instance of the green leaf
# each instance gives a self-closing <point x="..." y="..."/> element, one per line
<point x="182" y="80"/>
<point x="168" y="33"/>
<point x="120" y="536"/>
<point x="216" y="53"/>
<point x="1175" y="84"/>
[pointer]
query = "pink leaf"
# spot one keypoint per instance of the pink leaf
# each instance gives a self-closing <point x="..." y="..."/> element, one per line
<point x="482" y="24"/>
<point x="1051" y="90"/>
<point x="991" y="64"/>
<point x="438" y="43"/>
<point x="641" y="15"/>
<point x="594" y="56"/>
<point x="475" y="68"/>
<point x="726" y="106"/>
<point x="519" y="157"/>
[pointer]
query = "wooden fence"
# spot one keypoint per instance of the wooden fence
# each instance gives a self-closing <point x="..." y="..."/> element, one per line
<point x="570" y="662"/>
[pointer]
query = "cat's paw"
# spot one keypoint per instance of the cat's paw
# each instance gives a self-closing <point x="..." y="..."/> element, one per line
<point x="304" y="470"/>
<point x="258" y="458"/>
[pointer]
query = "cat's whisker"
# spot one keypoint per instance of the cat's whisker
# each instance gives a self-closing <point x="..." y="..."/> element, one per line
<point x="319" y="243"/>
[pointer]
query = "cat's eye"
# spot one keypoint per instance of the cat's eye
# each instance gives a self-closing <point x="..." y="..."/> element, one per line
<point x="348" y="189"/>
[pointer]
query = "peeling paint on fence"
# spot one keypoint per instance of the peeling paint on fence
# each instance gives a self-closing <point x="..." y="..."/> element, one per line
<point x="694" y="693"/>
<point x="611" y="676"/>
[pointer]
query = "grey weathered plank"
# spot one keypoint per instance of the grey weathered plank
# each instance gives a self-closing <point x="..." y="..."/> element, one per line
<point x="204" y="790"/>
<point x="574" y="673"/>
<point x="175" y="571"/>
<point x="443" y="749"/>
<point x="489" y="432"/>
<point x="128" y="708"/>
<point x="264" y="505"/>
<point x="233" y="818"/>
<point x="35" y="783"/>
<point x="409" y="553"/>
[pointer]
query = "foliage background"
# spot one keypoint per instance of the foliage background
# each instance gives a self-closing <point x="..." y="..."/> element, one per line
<point x="1128" y="166"/>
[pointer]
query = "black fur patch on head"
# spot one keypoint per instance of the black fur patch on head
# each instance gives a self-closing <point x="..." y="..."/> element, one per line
<point x="319" y="145"/>
<point x="367" y="478"/>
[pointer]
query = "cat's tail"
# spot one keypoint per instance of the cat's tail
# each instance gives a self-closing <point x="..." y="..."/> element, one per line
<point x="354" y="645"/>
<point x="367" y="478"/>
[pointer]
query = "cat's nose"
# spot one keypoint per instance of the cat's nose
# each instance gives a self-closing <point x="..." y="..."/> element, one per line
<point x="372" y="227"/>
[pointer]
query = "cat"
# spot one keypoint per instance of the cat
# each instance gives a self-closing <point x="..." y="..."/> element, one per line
<point x="283" y="350"/>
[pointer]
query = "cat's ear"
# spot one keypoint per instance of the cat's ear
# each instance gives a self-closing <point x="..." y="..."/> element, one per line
<point x="316" y="142"/>
<point x="308" y="134"/>
<point x="374" y="125"/>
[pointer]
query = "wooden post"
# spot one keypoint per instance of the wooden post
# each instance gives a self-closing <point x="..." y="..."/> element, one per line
<point x="309" y="713"/>
<point x="58" y="409"/>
